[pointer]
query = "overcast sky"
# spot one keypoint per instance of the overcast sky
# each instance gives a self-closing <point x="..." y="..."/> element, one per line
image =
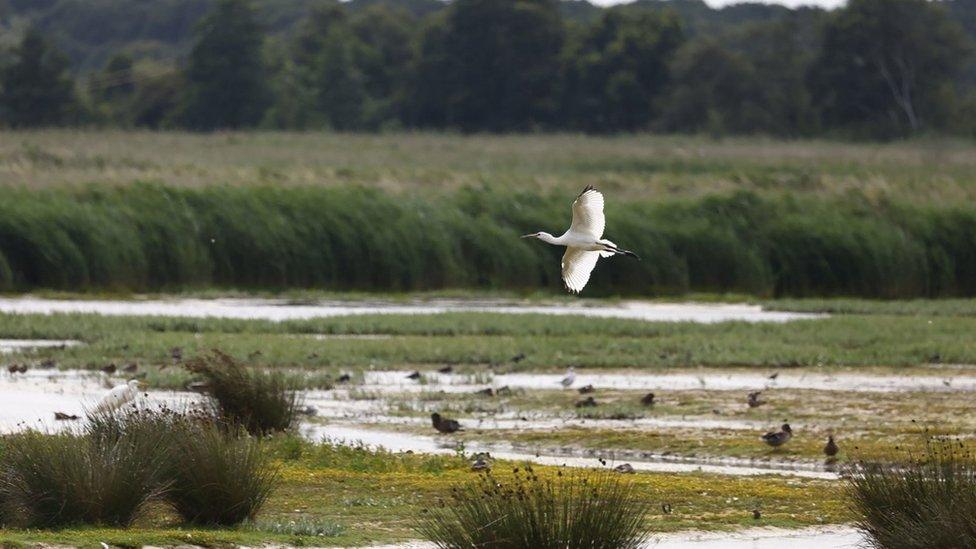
<point x="717" y="3"/>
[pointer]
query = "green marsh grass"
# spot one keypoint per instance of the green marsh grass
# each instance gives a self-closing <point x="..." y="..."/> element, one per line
<point x="593" y="511"/>
<point x="634" y="166"/>
<point x="300" y="527"/>
<point x="928" y="501"/>
<point x="259" y="401"/>
<point x="472" y="340"/>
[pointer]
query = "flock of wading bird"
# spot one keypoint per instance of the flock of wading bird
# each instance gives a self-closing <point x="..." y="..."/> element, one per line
<point x="774" y="439"/>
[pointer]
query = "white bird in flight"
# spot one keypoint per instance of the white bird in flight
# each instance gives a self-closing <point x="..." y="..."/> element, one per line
<point x="584" y="240"/>
<point x="117" y="397"/>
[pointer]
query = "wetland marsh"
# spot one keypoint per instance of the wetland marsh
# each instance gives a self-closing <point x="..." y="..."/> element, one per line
<point x="872" y="379"/>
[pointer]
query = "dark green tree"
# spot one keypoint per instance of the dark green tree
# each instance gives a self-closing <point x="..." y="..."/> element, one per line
<point x="36" y="87"/>
<point x="385" y="58"/>
<point x="226" y="77"/>
<point x="111" y="91"/>
<point x="327" y="65"/>
<point x="883" y="64"/>
<point x="116" y="81"/>
<point x="749" y="80"/>
<point x="339" y="84"/>
<point x="494" y="65"/>
<point x="156" y="101"/>
<point x="432" y="78"/>
<point x="619" y="69"/>
<point x="779" y="53"/>
<point x="715" y="91"/>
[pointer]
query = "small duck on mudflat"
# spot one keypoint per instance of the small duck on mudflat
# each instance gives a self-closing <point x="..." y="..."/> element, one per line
<point x="754" y="399"/>
<point x="778" y="438"/>
<point x="830" y="449"/>
<point x="444" y="425"/>
<point x="587" y="402"/>
<point x="648" y="399"/>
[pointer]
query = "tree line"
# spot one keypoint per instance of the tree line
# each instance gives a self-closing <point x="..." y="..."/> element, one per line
<point x="874" y="68"/>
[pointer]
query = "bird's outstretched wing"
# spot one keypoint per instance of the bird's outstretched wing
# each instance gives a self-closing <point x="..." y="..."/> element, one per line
<point x="588" y="213"/>
<point x="577" y="265"/>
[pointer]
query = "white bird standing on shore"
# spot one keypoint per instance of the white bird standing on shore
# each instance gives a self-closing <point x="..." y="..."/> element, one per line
<point x="584" y="240"/>
<point x="570" y="377"/>
<point x="117" y="397"/>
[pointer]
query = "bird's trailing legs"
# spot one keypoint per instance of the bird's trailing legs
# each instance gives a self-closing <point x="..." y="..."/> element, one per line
<point x="612" y="248"/>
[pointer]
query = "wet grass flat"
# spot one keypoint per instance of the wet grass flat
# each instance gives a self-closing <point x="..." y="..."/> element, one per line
<point x="696" y="424"/>
<point x="912" y="307"/>
<point x="373" y="496"/>
<point x="479" y="339"/>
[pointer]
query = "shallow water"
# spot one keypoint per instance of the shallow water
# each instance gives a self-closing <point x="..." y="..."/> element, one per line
<point x="29" y="400"/>
<point x="827" y="537"/>
<point x="818" y="537"/>
<point x="396" y="381"/>
<point x="269" y="309"/>
<point x="534" y="422"/>
<point x="11" y="345"/>
<point x="400" y="441"/>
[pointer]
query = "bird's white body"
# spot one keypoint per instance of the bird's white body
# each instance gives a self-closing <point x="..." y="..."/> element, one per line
<point x="584" y="240"/>
<point x="569" y="379"/>
<point x="118" y="397"/>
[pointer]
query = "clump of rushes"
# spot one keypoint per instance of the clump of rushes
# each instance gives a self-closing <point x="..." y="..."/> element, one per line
<point x="927" y="501"/>
<point x="54" y="480"/>
<point x="262" y="402"/>
<point x="591" y="510"/>
<point x="219" y="476"/>
<point x="112" y="469"/>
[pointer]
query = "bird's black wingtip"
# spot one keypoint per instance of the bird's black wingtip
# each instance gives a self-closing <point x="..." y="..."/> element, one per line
<point x="585" y="190"/>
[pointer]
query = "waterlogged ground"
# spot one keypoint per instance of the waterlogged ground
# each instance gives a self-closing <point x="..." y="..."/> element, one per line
<point x="874" y="377"/>
<point x="268" y="309"/>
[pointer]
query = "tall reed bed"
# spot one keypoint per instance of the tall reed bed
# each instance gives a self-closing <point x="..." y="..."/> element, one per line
<point x="151" y="237"/>
<point x="592" y="511"/>
<point x="928" y="501"/>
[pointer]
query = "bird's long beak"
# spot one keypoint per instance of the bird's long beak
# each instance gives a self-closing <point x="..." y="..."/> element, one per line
<point x="530" y="235"/>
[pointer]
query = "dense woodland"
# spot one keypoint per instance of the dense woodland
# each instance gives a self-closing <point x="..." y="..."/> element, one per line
<point x="873" y="69"/>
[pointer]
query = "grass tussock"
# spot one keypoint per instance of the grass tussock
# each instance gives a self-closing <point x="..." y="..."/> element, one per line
<point x="218" y="476"/>
<point x="66" y="479"/>
<point x="928" y="501"/>
<point x="260" y="401"/>
<point x="596" y="511"/>
<point x="109" y="471"/>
